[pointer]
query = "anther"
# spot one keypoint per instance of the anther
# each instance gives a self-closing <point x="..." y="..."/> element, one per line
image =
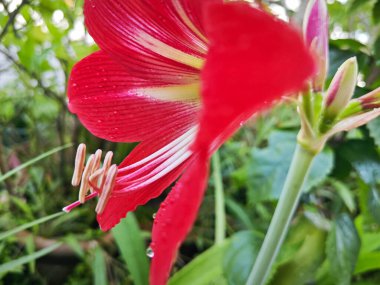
<point x="84" y="187"/>
<point x="98" y="157"/>
<point x="79" y="164"/>
<point x="106" y="166"/>
<point x="107" y="189"/>
<point x="94" y="178"/>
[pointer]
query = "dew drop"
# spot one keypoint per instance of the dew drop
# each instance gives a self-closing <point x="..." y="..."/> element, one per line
<point x="154" y="216"/>
<point x="149" y="252"/>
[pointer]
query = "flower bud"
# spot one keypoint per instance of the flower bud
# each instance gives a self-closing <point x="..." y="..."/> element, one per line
<point x="341" y="88"/>
<point x="371" y="100"/>
<point x="315" y="27"/>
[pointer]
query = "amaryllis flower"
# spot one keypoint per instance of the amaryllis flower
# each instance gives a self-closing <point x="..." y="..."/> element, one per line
<point x="180" y="76"/>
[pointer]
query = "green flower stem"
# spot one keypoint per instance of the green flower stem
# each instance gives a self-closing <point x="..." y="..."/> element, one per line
<point x="279" y="225"/>
<point x="307" y="105"/>
<point x="220" y="213"/>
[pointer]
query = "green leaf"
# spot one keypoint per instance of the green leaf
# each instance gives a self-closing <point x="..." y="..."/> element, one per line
<point x="240" y="256"/>
<point x="345" y="194"/>
<point x="14" y="264"/>
<point x="374" y="125"/>
<point x="355" y="4"/>
<point x="367" y="262"/>
<point x="239" y="212"/>
<point x="29" y="225"/>
<point x="343" y="245"/>
<point x="99" y="267"/>
<point x="205" y="269"/>
<point x="376" y="12"/>
<point x="299" y="267"/>
<point x="75" y="245"/>
<point x="30" y="249"/>
<point x="364" y="158"/>
<point x="366" y="161"/>
<point x="268" y="169"/>
<point x="132" y="248"/>
<point x="32" y="161"/>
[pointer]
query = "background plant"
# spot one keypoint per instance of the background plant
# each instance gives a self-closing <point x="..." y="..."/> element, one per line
<point x="335" y="236"/>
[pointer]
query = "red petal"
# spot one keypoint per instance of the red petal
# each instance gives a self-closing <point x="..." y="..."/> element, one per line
<point x="175" y="218"/>
<point x="115" y="106"/>
<point x="194" y="10"/>
<point x="118" y="206"/>
<point x="253" y="60"/>
<point x="119" y="203"/>
<point x="130" y="30"/>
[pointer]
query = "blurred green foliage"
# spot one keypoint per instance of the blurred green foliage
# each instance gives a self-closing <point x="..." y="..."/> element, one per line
<point x="335" y="236"/>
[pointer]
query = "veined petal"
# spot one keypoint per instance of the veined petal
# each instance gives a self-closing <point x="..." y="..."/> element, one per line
<point x="149" y="32"/>
<point x="119" y="107"/>
<point x="353" y="122"/>
<point x="176" y="217"/>
<point x="144" y="165"/>
<point x="255" y="59"/>
<point x="191" y="13"/>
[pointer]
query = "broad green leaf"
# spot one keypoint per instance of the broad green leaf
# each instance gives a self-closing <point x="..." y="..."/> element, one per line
<point x="269" y="167"/>
<point x="370" y="240"/>
<point x="366" y="161"/>
<point x="367" y="262"/>
<point x="240" y="256"/>
<point x="32" y="161"/>
<point x="29" y="225"/>
<point x="300" y="267"/>
<point x="374" y="203"/>
<point x="343" y="245"/>
<point x="132" y="248"/>
<point x="99" y="267"/>
<point x="374" y="126"/>
<point x="205" y="269"/>
<point x="345" y="194"/>
<point x="376" y="12"/>
<point x="14" y="264"/>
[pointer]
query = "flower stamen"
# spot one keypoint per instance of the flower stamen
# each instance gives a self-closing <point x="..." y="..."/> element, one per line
<point x="94" y="178"/>
<point x="98" y="157"/>
<point x="79" y="164"/>
<point x="68" y="208"/>
<point x="107" y="189"/>
<point x="106" y="165"/>
<point x="84" y="187"/>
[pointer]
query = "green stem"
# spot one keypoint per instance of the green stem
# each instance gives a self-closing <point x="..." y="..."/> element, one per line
<point x="279" y="225"/>
<point x="307" y="105"/>
<point x="220" y="214"/>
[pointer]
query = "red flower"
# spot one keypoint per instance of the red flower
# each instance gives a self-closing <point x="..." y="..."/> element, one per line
<point x="158" y="79"/>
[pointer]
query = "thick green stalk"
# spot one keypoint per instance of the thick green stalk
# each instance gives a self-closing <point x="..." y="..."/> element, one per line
<point x="279" y="225"/>
<point x="220" y="214"/>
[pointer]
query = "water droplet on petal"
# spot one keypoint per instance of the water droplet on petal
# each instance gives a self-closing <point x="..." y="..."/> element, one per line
<point x="149" y="252"/>
<point x="154" y="215"/>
